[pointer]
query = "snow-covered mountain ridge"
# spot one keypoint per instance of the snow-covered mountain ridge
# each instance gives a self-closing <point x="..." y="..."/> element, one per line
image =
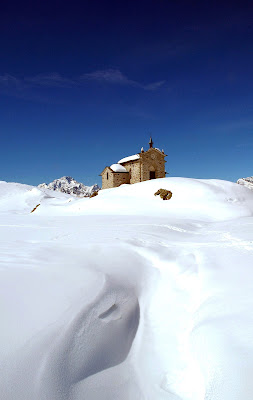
<point x="248" y="182"/>
<point x="69" y="185"/>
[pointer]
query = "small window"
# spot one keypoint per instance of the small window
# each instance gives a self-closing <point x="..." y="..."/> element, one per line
<point x="130" y="174"/>
<point x="107" y="176"/>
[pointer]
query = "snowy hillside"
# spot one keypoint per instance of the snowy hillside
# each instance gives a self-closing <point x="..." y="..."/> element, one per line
<point x="68" y="185"/>
<point x="126" y="296"/>
<point x="248" y="182"/>
<point x="17" y="198"/>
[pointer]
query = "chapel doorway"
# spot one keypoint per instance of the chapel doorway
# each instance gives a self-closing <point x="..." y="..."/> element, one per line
<point x="151" y="174"/>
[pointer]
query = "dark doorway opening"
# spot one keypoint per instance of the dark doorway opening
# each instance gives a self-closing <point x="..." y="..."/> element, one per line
<point x="151" y="174"/>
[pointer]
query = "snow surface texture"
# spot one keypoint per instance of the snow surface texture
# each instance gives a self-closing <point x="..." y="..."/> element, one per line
<point x="248" y="182"/>
<point x="126" y="296"/>
<point x="68" y="185"/>
<point x="118" y="168"/>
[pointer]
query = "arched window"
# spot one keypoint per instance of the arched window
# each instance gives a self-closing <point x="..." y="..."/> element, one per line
<point x="130" y="174"/>
<point x="107" y="176"/>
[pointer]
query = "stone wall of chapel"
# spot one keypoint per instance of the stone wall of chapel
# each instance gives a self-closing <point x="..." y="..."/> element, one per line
<point x="107" y="183"/>
<point x="156" y="164"/>
<point x="134" y="168"/>
<point x="120" y="178"/>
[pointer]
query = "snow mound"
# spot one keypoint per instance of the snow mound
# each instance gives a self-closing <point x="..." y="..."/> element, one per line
<point x="19" y="198"/>
<point x="192" y="198"/>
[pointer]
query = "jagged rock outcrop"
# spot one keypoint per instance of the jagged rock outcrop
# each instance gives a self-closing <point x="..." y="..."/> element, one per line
<point x="248" y="182"/>
<point x="67" y="184"/>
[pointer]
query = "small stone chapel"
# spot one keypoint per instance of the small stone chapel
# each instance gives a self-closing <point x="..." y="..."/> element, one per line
<point x="140" y="167"/>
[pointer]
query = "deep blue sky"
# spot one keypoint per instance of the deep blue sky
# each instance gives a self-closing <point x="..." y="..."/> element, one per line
<point x="82" y="84"/>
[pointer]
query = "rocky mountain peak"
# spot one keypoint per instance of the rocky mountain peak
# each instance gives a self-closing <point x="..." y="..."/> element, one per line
<point x="69" y="185"/>
<point x="248" y="182"/>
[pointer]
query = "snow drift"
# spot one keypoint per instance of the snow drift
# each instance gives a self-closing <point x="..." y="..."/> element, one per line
<point x="126" y="296"/>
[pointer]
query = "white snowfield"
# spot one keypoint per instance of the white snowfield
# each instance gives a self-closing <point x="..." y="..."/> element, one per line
<point x="125" y="296"/>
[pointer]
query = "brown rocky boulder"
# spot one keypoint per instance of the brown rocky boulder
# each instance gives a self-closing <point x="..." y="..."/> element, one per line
<point x="164" y="194"/>
<point x="93" y="194"/>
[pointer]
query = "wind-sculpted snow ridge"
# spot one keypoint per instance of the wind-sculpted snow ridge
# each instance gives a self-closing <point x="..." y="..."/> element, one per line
<point x="248" y="182"/>
<point x="68" y="185"/>
<point x="22" y="199"/>
<point x="126" y="296"/>
<point x="98" y="337"/>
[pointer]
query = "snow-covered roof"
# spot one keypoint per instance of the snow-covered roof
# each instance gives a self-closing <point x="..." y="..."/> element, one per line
<point x="118" y="168"/>
<point x="129" y="158"/>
